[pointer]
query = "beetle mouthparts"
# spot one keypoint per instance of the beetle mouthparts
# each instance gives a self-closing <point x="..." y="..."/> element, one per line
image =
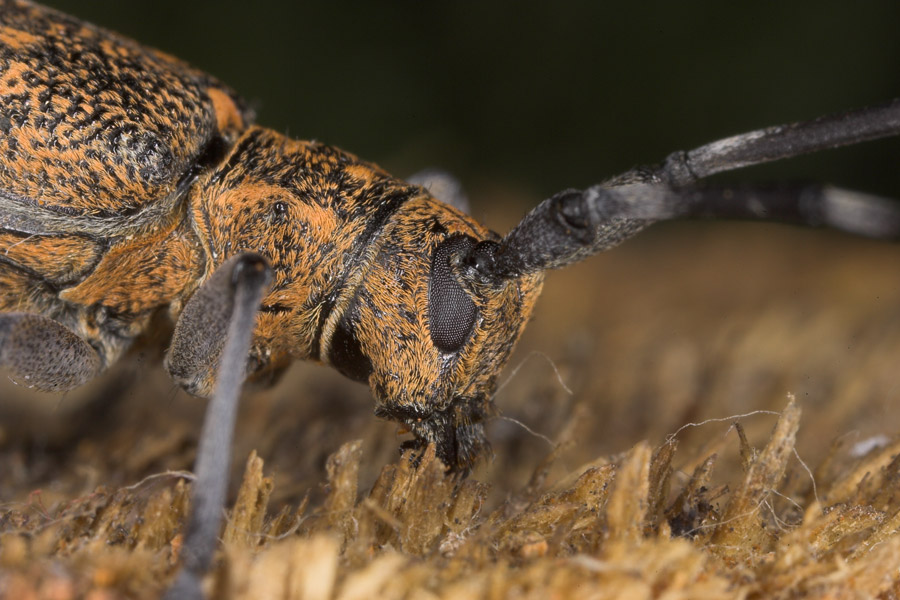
<point x="457" y="432"/>
<point x="459" y="448"/>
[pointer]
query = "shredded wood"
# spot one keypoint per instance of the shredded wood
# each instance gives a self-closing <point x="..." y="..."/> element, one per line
<point x="726" y="441"/>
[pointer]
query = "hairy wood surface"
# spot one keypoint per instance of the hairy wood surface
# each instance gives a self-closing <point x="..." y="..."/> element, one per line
<point x="797" y="331"/>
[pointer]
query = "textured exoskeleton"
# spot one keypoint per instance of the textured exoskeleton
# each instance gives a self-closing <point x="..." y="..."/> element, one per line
<point x="131" y="183"/>
<point x="129" y="178"/>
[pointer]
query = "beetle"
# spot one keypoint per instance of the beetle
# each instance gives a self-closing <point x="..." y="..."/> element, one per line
<point x="132" y="183"/>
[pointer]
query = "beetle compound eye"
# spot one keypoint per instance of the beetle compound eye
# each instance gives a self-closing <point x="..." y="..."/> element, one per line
<point x="451" y="313"/>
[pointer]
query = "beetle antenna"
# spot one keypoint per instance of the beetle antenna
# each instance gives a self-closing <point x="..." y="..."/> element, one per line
<point x="250" y="276"/>
<point x="782" y="141"/>
<point x="573" y="224"/>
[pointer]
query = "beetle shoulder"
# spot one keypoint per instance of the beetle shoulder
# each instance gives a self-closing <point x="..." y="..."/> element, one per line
<point x="98" y="134"/>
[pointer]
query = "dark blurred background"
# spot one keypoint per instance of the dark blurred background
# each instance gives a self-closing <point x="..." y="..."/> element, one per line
<point x="520" y="100"/>
<point x="537" y="96"/>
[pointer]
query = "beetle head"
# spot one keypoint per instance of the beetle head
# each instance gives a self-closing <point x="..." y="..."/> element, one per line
<point x="429" y="327"/>
<point x="371" y="275"/>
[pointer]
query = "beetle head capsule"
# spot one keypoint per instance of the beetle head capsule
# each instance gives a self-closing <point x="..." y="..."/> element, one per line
<point x="429" y="331"/>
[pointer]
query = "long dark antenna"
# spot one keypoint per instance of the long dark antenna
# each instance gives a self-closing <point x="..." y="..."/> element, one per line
<point x="250" y="275"/>
<point x="782" y="141"/>
<point x="573" y="224"/>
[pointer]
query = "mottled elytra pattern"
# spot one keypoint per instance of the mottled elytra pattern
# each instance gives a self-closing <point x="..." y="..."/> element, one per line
<point x="99" y="139"/>
<point x="95" y="124"/>
<point x="133" y="186"/>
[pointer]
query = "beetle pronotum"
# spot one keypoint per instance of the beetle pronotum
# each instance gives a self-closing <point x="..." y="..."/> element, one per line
<point x="132" y="183"/>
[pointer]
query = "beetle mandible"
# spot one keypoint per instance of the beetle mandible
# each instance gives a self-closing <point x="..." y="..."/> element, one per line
<point x="132" y="183"/>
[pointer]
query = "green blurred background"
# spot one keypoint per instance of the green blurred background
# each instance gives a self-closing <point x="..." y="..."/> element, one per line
<point x="536" y="97"/>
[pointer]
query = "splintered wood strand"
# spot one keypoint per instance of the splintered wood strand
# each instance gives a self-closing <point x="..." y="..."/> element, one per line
<point x="419" y="533"/>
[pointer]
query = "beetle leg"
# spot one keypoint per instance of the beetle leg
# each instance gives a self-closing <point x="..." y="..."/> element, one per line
<point x="200" y="333"/>
<point x="45" y="355"/>
<point x="222" y="309"/>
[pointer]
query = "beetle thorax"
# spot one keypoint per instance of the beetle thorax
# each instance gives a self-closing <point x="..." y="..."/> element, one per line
<point x="312" y="211"/>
